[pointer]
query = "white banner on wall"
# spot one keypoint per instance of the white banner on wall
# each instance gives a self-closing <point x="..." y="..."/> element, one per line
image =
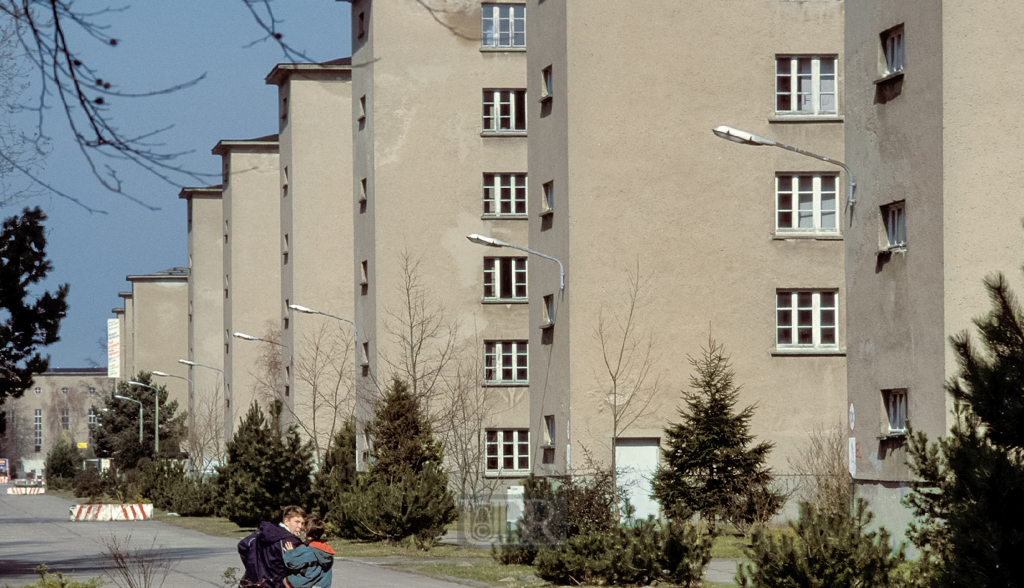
<point x="113" y="348"/>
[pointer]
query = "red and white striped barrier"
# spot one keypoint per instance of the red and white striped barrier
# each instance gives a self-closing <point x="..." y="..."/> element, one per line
<point x="27" y="490"/>
<point x="111" y="512"/>
<point x="5" y="479"/>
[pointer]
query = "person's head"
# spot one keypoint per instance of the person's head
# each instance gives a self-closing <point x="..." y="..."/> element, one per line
<point x="293" y="518"/>
<point x="314" y="528"/>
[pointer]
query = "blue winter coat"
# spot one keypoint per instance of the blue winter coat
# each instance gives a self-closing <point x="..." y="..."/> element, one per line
<point x="261" y="554"/>
<point x="310" y="566"/>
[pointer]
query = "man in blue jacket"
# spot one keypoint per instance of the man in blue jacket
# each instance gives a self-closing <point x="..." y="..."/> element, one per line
<point x="262" y="551"/>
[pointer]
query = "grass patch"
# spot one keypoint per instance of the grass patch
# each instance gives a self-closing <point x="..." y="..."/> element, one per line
<point x="730" y="546"/>
<point x="215" y="526"/>
<point x="484" y="571"/>
<point x="350" y="548"/>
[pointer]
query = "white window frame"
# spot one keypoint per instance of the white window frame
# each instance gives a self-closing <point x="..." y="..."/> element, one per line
<point x="503" y="110"/>
<point x="65" y="419"/>
<point x="797" y="315"/>
<point x="502" y="445"/>
<point x="498" y="271"/>
<point x="815" y="194"/>
<point x="896" y="410"/>
<point x="506" y="363"/>
<point x="894" y="50"/>
<point x="503" y="26"/>
<point x="505" y="195"/>
<point x="807" y="99"/>
<point x="894" y="217"/>
<point x="38" y="418"/>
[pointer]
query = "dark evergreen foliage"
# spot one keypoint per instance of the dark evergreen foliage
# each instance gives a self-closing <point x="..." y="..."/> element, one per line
<point x="709" y="468"/>
<point x="62" y="463"/>
<point x="170" y="488"/>
<point x="117" y="432"/>
<point x="824" y="549"/>
<point x="338" y="473"/>
<point x="542" y="526"/>
<point x="28" y="323"/>
<point x="970" y="501"/>
<point x="405" y="492"/>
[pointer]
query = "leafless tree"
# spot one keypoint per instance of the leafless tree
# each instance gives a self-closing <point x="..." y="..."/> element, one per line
<point x="206" y="430"/>
<point x="425" y="340"/>
<point x="129" y="566"/>
<point x="269" y="368"/>
<point x="18" y="439"/>
<point x="627" y="378"/>
<point x="323" y="364"/>
<point x="822" y="470"/>
<point x="17" y="150"/>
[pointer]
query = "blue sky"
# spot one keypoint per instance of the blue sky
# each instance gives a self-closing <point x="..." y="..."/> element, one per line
<point x="162" y="44"/>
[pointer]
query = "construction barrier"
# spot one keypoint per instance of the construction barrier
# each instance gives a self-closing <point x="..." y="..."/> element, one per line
<point x="5" y="479"/>
<point x="27" y="490"/>
<point x="111" y="512"/>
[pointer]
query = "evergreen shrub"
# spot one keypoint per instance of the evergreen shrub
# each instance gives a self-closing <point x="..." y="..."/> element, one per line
<point x="166" y="483"/>
<point x="89" y="485"/>
<point x="62" y="464"/>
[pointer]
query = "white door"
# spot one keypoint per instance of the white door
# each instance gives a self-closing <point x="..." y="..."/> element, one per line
<point x="637" y="460"/>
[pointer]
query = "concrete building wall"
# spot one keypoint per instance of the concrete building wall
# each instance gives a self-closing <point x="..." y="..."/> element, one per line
<point x="205" y="305"/>
<point x="939" y="137"/>
<point x="74" y="390"/>
<point x="642" y="185"/>
<point x="252" y="275"/>
<point x="160" y="337"/>
<point x="417" y="85"/>
<point x="316" y="243"/>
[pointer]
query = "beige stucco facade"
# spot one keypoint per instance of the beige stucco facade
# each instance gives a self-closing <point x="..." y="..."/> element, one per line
<point x="421" y="151"/>
<point x="159" y="330"/>
<point x="314" y="102"/>
<point x="940" y="138"/>
<point x="59" y="402"/>
<point x="205" y="209"/>
<point x="641" y="186"/>
<point x="251" y="271"/>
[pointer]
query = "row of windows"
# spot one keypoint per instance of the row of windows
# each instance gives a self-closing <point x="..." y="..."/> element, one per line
<point x="64" y="390"/>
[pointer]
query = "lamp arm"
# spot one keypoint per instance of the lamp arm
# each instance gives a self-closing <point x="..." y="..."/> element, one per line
<point x="850" y="201"/>
<point x="561" y="268"/>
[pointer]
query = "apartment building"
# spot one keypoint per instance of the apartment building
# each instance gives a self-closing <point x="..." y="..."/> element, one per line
<point x="316" y="187"/>
<point x="627" y="182"/>
<point x="250" y="196"/>
<point x="58" y="404"/>
<point x="205" y="209"/>
<point x="439" y="148"/>
<point x="933" y="140"/>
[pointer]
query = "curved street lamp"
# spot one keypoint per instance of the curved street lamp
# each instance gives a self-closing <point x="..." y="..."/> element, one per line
<point x="140" y="412"/>
<point x="747" y="138"/>
<point x="304" y="310"/>
<point x="156" y="420"/>
<point x="492" y="242"/>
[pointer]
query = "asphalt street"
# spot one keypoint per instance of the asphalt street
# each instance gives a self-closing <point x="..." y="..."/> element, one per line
<point x="36" y="529"/>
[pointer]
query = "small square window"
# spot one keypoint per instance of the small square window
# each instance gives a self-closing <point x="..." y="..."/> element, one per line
<point x="64" y="390"/>
<point x="505" y="278"/>
<point x="893" y="50"/>
<point x="806" y="203"/>
<point x="503" y="26"/>
<point x="807" y="319"/>
<point x="92" y="389"/>
<point x="894" y="220"/>
<point x="506" y="363"/>
<point x="504" y="111"/>
<point x="895" y="402"/>
<point x="805" y="85"/>
<point x="507" y="451"/>
<point x="38" y="390"/>
<point x="505" y="195"/>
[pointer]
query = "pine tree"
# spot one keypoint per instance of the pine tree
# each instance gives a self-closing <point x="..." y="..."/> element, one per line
<point x="117" y="432"/>
<point x="267" y="469"/>
<point x="63" y="462"/>
<point x="970" y="501"/>
<point x="709" y="468"/>
<point x="338" y="472"/>
<point x="405" y="492"/>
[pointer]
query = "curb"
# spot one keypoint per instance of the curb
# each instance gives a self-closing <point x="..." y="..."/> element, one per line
<point x="111" y="512"/>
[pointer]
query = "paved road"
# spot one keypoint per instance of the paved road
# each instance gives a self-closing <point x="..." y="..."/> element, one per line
<point x="35" y="529"/>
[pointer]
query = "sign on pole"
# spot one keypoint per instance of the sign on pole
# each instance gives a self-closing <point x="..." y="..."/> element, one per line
<point x="113" y="348"/>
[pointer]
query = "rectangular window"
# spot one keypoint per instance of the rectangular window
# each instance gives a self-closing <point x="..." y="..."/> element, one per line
<point x="895" y="218"/>
<point x="896" y="409"/>
<point x="549" y="429"/>
<point x="805" y="85"/>
<point x="548" y="320"/>
<point x="364" y="273"/>
<point x="503" y="26"/>
<point x="547" y="83"/>
<point x="508" y="450"/>
<point x="506" y="362"/>
<point x="806" y="203"/>
<point x="504" y="111"/>
<point x="65" y="419"/>
<point x="39" y="429"/>
<point x="807" y="319"/>
<point x="892" y="46"/>
<point x="92" y="418"/>
<point x="548" y="204"/>
<point x="505" y="278"/>
<point x="505" y="195"/>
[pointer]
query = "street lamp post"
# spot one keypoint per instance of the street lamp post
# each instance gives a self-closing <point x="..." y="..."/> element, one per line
<point x="156" y="421"/>
<point x="492" y="242"/>
<point x="140" y="413"/>
<point x="305" y="310"/>
<point x="747" y="138"/>
<point x="191" y="385"/>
